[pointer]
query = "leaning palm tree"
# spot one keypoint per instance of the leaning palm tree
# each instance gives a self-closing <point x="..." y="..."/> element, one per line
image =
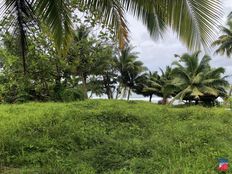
<point x="225" y="40"/>
<point x="129" y="68"/>
<point x="196" y="80"/>
<point x="194" y="21"/>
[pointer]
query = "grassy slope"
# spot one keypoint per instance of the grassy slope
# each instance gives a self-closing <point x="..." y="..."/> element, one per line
<point x="112" y="137"/>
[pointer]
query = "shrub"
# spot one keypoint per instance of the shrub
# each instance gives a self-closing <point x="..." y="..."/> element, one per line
<point x="72" y="94"/>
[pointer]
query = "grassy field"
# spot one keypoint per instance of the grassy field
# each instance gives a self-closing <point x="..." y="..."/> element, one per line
<point x="113" y="137"/>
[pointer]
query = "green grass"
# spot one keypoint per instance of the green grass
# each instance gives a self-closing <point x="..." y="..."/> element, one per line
<point x="113" y="137"/>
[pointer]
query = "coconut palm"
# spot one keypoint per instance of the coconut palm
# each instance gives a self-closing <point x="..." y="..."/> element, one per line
<point x="196" y="80"/>
<point x="144" y="84"/>
<point x="81" y="55"/>
<point x="194" y="21"/>
<point x="159" y="85"/>
<point x="225" y="40"/>
<point x="129" y="68"/>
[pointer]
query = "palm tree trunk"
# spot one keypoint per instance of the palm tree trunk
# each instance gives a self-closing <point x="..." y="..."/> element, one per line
<point x="117" y="95"/>
<point x="91" y="94"/>
<point x="230" y="92"/>
<point x="150" y="98"/>
<point x="84" y="85"/>
<point x="128" y="96"/>
<point x="109" y="92"/>
<point x="57" y="87"/>
<point x="117" y="92"/>
<point x="110" y="95"/>
<point x="165" y="101"/>
<point x="22" y="35"/>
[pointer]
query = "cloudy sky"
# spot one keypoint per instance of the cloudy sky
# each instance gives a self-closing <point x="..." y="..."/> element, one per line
<point x="158" y="54"/>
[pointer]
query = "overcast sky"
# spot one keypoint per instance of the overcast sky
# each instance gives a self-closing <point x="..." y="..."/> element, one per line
<point x="159" y="54"/>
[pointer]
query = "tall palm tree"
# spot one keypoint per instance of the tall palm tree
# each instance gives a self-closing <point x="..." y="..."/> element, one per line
<point x="80" y="55"/>
<point x="225" y="40"/>
<point x="130" y="69"/>
<point x="196" y="80"/>
<point x="194" y="21"/>
<point x="105" y="68"/>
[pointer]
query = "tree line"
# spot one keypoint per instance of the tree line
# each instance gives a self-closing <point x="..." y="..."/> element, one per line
<point x="49" y="53"/>
<point x="94" y="65"/>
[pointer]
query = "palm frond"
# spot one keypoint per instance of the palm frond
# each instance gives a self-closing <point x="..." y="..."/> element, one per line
<point x="57" y="17"/>
<point x="150" y="12"/>
<point x="204" y="64"/>
<point x="112" y="14"/>
<point x="225" y="41"/>
<point x="196" y="93"/>
<point x="23" y="13"/>
<point x="195" y="21"/>
<point x="209" y="90"/>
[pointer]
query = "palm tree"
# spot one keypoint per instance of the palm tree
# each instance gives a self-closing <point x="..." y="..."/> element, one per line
<point x="105" y="70"/>
<point x="159" y="85"/>
<point x="196" y="80"/>
<point x="194" y="21"/>
<point x="81" y="55"/>
<point x="144" y="85"/>
<point x="225" y="41"/>
<point x="129" y="69"/>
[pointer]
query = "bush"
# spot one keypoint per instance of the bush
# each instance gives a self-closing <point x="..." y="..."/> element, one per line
<point x="72" y="94"/>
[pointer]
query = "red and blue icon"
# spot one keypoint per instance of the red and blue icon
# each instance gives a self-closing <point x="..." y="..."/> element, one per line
<point x="223" y="165"/>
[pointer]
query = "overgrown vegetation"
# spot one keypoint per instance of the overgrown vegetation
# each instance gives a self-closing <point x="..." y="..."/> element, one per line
<point x="73" y="50"/>
<point x="112" y="137"/>
<point x="95" y="66"/>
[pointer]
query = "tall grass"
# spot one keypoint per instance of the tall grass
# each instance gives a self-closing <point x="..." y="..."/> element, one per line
<point x="112" y="137"/>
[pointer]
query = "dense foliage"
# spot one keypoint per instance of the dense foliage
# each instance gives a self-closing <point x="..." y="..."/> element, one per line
<point x="88" y="58"/>
<point x="112" y="137"/>
<point x="53" y="77"/>
<point x="188" y="79"/>
<point x="74" y="50"/>
<point x="94" y="66"/>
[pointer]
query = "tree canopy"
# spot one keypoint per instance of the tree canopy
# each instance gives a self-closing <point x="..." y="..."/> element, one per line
<point x="72" y="50"/>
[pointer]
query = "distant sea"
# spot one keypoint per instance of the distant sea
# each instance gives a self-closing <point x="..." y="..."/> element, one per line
<point x="140" y="98"/>
<point x="155" y="99"/>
